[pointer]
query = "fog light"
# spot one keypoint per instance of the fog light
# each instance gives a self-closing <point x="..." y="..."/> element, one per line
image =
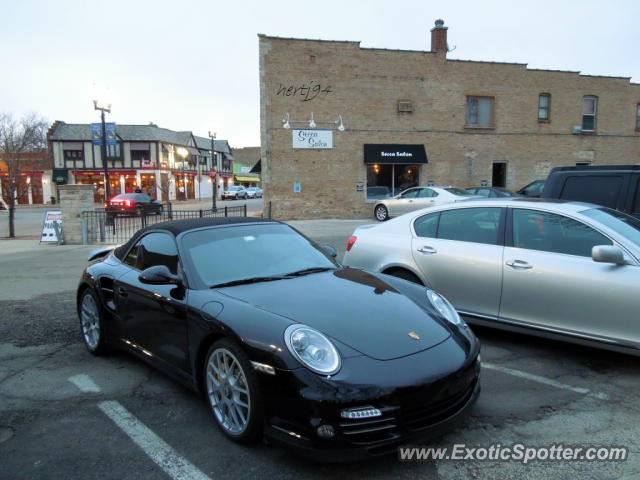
<point x="326" y="431"/>
<point x="361" y="412"/>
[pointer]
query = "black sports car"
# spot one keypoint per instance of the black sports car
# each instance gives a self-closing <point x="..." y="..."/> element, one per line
<point x="282" y="340"/>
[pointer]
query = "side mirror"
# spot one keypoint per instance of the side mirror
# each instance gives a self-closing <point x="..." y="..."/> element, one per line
<point x="329" y="250"/>
<point x="159" y="275"/>
<point x="608" y="254"/>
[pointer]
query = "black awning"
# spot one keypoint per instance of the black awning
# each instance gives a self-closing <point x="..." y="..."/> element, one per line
<point x="394" y="153"/>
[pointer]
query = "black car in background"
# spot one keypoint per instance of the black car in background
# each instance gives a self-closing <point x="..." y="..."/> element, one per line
<point x="613" y="186"/>
<point x="133" y="204"/>
<point x="533" y="189"/>
<point x="282" y="340"/>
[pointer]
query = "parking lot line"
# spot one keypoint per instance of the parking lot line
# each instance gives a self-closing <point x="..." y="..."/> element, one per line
<point x="157" y="449"/>
<point x="84" y="383"/>
<point x="544" y="380"/>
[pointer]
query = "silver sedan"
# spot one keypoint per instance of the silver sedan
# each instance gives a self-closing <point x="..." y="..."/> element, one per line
<point x="417" y="198"/>
<point x="562" y="270"/>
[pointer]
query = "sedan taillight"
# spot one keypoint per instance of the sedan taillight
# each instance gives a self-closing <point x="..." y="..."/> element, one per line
<point x="351" y="241"/>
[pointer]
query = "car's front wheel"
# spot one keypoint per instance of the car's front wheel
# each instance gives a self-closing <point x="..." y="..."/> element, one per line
<point x="233" y="392"/>
<point x="381" y="213"/>
<point x="92" y="323"/>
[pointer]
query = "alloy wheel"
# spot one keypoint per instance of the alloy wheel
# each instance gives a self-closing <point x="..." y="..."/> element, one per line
<point x="90" y="319"/>
<point x="228" y="391"/>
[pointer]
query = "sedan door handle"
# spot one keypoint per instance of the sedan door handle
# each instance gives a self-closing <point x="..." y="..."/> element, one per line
<point x="427" y="250"/>
<point x="519" y="264"/>
<point x="122" y="292"/>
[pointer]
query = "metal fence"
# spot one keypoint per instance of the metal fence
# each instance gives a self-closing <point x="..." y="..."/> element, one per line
<point x="98" y="227"/>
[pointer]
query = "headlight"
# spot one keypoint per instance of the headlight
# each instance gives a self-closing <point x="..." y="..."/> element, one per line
<point x="444" y="307"/>
<point x="312" y="349"/>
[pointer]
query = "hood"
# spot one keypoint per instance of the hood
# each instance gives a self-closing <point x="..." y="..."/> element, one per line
<point x="351" y="306"/>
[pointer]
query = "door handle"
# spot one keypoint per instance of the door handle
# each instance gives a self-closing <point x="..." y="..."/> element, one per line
<point x="427" y="250"/>
<point x="519" y="264"/>
<point x="122" y="292"/>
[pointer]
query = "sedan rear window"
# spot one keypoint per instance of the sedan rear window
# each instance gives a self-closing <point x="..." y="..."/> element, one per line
<point x="478" y="225"/>
<point x="459" y="192"/>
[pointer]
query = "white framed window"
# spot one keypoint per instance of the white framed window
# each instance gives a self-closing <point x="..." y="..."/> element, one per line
<point x="638" y="117"/>
<point x="479" y="112"/>
<point x="544" y="107"/>
<point x="589" y="111"/>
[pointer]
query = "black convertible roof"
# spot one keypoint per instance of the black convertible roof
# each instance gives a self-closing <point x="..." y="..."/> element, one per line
<point x="175" y="227"/>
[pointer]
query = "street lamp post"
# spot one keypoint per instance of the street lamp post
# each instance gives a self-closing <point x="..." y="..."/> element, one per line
<point x="103" y="109"/>
<point x="214" y="165"/>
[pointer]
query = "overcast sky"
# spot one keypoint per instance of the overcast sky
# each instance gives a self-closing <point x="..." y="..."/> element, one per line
<point x="193" y="65"/>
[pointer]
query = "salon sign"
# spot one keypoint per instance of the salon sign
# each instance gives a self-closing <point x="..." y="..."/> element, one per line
<point x="312" y="139"/>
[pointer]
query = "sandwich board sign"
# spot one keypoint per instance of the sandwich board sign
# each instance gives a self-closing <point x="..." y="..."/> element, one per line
<point x="52" y="228"/>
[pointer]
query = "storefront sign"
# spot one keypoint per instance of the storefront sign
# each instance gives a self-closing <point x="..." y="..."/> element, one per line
<point x="312" y="139"/>
<point x="394" y="153"/>
<point x="52" y="228"/>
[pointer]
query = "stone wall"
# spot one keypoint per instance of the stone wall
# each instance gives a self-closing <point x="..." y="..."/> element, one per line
<point x="74" y="199"/>
<point x="364" y="86"/>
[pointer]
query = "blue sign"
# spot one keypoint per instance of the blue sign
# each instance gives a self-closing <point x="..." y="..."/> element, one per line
<point x="110" y="129"/>
<point x="96" y="133"/>
<point x="296" y="187"/>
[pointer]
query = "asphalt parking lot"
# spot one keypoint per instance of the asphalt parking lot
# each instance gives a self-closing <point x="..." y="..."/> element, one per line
<point x="66" y="414"/>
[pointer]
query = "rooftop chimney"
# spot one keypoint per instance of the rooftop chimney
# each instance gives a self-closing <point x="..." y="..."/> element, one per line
<point x="439" y="38"/>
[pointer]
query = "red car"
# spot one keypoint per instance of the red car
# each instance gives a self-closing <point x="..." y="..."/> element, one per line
<point x="133" y="204"/>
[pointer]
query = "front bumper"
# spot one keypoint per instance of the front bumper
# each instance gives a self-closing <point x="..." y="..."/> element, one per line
<point x="424" y="409"/>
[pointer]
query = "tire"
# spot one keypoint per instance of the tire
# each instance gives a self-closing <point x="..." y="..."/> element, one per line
<point x="139" y="211"/>
<point x="232" y="390"/>
<point x="381" y="213"/>
<point x="159" y="212"/>
<point x="92" y="325"/>
<point x="405" y="275"/>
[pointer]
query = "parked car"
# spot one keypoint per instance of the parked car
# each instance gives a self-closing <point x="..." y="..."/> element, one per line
<point x="416" y="198"/>
<point x="613" y="186"/>
<point x="551" y="268"/>
<point x="254" y="192"/>
<point x="533" y="189"/>
<point x="235" y="191"/>
<point x="377" y="193"/>
<point x="138" y="204"/>
<point x="492" y="192"/>
<point x="280" y="338"/>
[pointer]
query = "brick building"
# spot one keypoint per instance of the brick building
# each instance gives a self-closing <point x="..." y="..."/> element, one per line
<point x="340" y="124"/>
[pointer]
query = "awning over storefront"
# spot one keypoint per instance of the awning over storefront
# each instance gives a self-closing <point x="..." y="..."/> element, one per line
<point x="394" y="153"/>
<point x="241" y="178"/>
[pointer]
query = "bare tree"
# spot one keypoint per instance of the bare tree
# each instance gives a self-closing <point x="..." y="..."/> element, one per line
<point x="17" y="138"/>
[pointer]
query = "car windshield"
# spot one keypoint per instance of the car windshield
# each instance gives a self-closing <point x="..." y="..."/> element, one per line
<point x="625" y="225"/>
<point x="233" y="188"/>
<point x="241" y="254"/>
<point x="459" y="191"/>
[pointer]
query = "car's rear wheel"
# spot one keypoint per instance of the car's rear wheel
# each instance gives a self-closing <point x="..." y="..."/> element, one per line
<point x="381" y="213"/>
<point x="404" y="274"/>
<point x="92" y="323"/>
<point x="139" y="211"/>
<point x="233" y="393"/>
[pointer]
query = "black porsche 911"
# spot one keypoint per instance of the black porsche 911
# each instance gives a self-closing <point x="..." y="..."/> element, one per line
<point x="281" y="339"/>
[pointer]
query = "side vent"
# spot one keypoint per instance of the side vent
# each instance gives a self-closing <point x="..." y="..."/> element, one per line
<point x="405" y="106"/>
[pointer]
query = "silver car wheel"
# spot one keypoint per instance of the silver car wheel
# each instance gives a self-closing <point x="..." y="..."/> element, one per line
<point x="228" y="391"/>
<point x="90" y="318"/>
<point x="381" y="213"/>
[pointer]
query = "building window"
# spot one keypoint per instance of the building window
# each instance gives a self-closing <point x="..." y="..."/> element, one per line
<point x="638" y="117"/>
<point x="113" y="151"/>
<point x="589" y="110"/>
<point x="140" y="155"/>
<point x="73" y="158"/>
<point x="544" y="105"/>
<point x="385" y="181"/>
<point x="479" y="111"/>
